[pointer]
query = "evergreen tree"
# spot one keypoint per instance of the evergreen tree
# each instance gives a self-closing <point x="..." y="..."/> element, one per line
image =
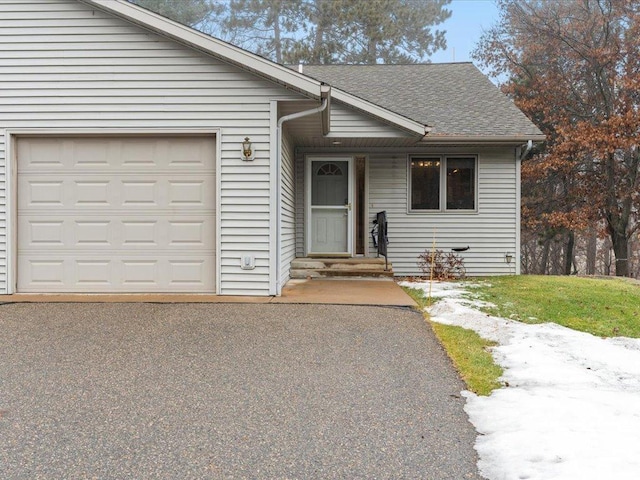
<point x="187" y="12"/>
<point x="318" y="31"/>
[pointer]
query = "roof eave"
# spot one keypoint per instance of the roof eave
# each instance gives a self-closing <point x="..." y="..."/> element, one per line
<point x="480" y="139"/>
<point x="381" y="113"/>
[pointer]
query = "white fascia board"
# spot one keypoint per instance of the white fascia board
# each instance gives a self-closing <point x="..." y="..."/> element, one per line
<point x="210" y="45"/>
<point x="478" y="139"/>
<point x="380" y="113"/>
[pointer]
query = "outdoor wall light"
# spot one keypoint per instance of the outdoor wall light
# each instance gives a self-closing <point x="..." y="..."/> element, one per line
<point x="508" y="257"/>
<point x="247" y="150"/>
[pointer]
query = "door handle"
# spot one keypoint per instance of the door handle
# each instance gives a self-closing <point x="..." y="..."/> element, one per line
<point x="348" y="207"/>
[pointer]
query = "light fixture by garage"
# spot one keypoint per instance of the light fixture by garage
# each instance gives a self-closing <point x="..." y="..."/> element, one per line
<point x="247" y="150"/>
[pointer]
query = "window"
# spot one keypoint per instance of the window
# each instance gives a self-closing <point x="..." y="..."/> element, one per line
<point x="329" y="169"/>
<point x="425" y="184"/>
<point x="461" y="183"/>
<point x="442" y="181"/>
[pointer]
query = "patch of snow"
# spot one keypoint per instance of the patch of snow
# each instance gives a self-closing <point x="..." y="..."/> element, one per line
<point x="571" y="409"/>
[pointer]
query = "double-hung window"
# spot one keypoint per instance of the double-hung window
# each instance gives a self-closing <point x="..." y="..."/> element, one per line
<point x="442" y="183"/>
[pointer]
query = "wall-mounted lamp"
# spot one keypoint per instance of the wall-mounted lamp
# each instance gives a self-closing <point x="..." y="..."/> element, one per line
<point x="508" y="257"/>
<point x="247" y="150"/>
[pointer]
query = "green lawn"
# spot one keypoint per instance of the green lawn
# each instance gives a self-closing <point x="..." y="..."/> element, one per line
<point x="468" y="351"/>
<point x="602" y="307"/>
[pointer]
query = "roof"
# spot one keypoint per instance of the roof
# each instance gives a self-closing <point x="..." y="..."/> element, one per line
<point x="455" y="99"/>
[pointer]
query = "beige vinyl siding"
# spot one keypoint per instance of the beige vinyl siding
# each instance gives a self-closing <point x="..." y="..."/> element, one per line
<point x="490" y="232"/>
<point x="288" y="214"/>
<point x="346" y="122"/>
<point x="68" y="66"/>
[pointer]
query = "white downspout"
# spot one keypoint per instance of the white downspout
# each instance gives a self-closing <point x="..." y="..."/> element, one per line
<point x="286" y="118"/>
<point x="520" y="155"/>
<point x="524" y="154"/>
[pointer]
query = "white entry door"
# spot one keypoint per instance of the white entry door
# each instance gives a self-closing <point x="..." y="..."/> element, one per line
<point x="330" y="225"/>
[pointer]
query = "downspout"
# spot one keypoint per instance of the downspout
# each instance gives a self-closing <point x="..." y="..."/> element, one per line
<point x="520" y="155"/>
<point x="524" y="154"/>
<point x="325" y="95"/>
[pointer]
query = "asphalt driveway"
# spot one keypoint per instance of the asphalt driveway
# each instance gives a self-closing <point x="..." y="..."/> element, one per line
<point x="227" y="391"/>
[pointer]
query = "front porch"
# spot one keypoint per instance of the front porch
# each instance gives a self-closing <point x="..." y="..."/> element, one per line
<point x="330" y="267"/>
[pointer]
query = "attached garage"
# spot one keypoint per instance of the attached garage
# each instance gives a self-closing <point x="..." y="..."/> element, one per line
<point x="108" y="214"/>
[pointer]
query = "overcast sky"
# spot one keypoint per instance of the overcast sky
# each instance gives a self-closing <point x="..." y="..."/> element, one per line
<point x="465" y="26"/>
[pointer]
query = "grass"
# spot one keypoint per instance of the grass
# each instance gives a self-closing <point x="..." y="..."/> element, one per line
<point x="468" y="351"/>
<point x="602" y="307"/>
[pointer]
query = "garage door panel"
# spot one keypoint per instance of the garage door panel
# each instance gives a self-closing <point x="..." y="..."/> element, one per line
<point x="131" y="191"/>
<point x="92" y="192"/>
<point x="88" y="273"/>
<point x="132" y="233"/>
<point x="90" y="233"/>
<point x="92" y="217"/>
<point x="93" y="273"/>
<point x="118" y="154"/>
<point x="45" y="272"/>
<point x="43" y="233"/>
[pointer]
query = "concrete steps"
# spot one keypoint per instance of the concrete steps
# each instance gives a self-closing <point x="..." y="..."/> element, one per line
<point x="339" y="267"/>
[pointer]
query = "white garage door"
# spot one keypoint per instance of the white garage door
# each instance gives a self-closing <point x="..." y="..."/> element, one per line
<point x="125" y="214"/>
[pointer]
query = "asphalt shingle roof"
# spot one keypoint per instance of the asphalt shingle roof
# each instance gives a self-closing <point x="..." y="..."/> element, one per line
<point x="453" y="98"/>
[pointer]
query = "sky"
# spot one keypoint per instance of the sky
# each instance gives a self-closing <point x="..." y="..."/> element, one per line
<point x="571" y="407"/>
<point x="465" y="26"/>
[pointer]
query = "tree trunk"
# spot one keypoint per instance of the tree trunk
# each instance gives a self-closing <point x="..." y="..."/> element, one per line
<point x="618" y="214"/>
<point x="620" y="250"/>
<point x="545" y="256"/>
<point x="322" y="20"/>
<point x="276" y="34"/>
<point x="592" y="249"/>
<point x="568" y="259"/>
<point x="606" y="261"/>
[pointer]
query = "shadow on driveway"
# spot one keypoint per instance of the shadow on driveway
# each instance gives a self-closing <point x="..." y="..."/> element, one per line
<point x="227" y="391"/>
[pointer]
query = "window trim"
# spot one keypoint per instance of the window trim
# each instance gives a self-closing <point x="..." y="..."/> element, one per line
<point x="443" y="183"/>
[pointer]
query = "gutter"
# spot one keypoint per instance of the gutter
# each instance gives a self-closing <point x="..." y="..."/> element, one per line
<point x="325" y="94"/>
<point x="470" y="140"/>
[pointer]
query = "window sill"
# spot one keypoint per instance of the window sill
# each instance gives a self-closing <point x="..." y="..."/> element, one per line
<point x="443" y="212"/>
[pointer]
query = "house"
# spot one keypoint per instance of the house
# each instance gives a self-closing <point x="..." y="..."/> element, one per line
<point x="122" y="165"/>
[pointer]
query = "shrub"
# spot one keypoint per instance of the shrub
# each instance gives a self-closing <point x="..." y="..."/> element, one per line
<point x="446" y="266"/>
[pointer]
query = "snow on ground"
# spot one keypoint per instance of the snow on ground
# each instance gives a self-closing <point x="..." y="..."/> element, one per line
<point x="571" y="409"/>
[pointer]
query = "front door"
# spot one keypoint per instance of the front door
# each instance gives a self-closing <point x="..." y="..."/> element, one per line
<point x="329" y="210"/>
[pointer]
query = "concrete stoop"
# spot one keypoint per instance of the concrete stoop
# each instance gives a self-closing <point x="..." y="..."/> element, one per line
<point x="339" y="267"/>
